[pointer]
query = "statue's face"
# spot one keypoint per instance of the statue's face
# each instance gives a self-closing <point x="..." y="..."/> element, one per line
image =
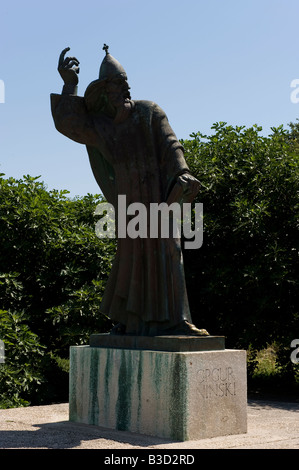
<point x="117" y="90"/>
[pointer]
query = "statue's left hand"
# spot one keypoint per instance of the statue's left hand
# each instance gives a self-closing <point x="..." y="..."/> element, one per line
<point x="185" y="189"/>
<point x="68" y="68"/>
<point x="190" y="186"/>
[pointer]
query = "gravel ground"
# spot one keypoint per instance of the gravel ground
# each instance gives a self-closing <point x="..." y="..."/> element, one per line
<point x="271" y="425"/>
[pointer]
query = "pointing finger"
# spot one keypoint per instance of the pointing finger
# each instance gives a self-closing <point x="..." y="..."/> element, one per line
<point x="61" y="57"/>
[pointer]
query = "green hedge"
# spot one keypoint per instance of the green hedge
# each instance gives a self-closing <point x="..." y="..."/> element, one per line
<point x="53" y="272"/>
<point x="242" y="282"/>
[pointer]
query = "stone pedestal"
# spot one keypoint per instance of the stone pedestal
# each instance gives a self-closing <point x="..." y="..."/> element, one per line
<point x="179" y="395"/>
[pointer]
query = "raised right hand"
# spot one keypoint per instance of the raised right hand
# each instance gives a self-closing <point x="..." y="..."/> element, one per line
<point x="68" y="68"/>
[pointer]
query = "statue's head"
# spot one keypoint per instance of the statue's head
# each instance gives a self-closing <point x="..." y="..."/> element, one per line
<point x="111" y="88"/>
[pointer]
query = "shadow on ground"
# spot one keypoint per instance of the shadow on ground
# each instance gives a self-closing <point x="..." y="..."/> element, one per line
<point x="67" y="435"/>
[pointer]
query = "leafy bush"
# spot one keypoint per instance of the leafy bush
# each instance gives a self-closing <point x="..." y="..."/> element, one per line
<point x="243" y="280"/>
<point x="242" y="283"/>
<point x="53" y="268"/>
<point x="21" y="374"/>
<point x="78" y="317"/>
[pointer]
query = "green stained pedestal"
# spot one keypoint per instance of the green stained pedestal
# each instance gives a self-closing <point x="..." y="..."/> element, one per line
<point x="176" y="395"/>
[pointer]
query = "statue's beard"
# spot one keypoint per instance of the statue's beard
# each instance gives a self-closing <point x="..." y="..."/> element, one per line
<point x="127" y="95"/>
<point x="110" y="104"/>
<point x="119" y="99"/>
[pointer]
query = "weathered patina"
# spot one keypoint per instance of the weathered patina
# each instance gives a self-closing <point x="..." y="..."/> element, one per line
<point x="133" y="151"/>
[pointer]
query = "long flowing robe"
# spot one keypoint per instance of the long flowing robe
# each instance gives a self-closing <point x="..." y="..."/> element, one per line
<point x="139" y="156"/>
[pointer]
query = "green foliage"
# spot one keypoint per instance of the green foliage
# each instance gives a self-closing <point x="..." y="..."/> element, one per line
<point x="293" y="137"/>
<point x="20" y="375"/>
<point x="242" y="283"/>
<point x="78" y="317"/>
<point x="243" y="280"/>
<point x="53" y="267"/>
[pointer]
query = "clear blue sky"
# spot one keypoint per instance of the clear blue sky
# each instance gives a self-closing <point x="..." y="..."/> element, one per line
<point x="202" y="61"/>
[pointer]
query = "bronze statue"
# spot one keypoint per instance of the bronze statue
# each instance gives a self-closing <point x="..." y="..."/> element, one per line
<point x="133" y="152"/>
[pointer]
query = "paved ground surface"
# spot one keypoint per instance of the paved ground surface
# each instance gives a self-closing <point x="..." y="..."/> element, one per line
<point x="271" y="425"/>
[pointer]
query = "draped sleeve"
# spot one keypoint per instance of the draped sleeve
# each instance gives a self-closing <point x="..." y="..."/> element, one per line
<point x="172" y="160"/>
<point x="72" y="119"/>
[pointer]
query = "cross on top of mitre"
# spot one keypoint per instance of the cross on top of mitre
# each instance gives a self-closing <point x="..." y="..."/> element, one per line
<point x="105" y="48"/>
